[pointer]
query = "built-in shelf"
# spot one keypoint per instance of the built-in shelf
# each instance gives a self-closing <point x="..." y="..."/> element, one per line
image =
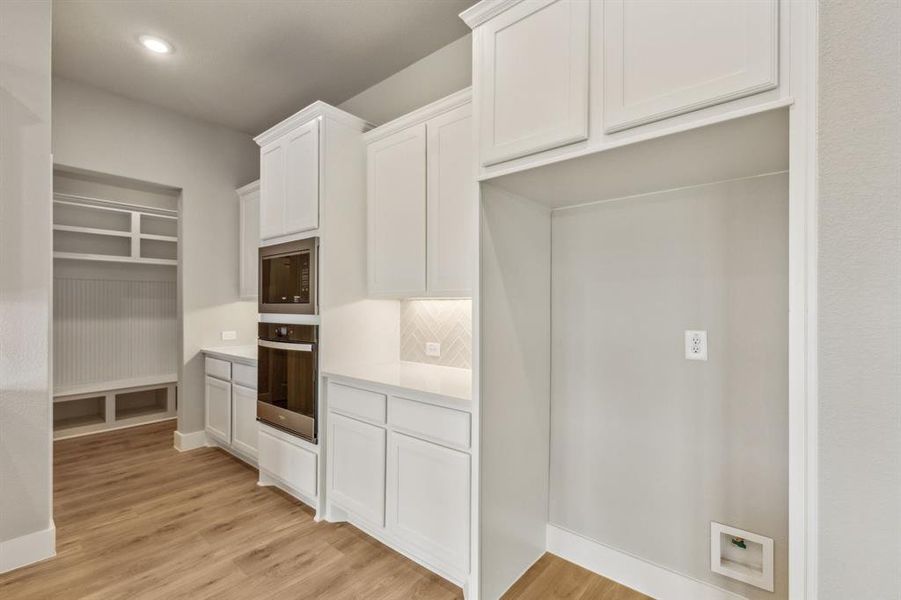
<point x="98" y="230"/>
<point x="162" y="238"/>
<point x="91" y="230"/>
<point x="60" y="393"/>
<point x="111" y="258"/>
<point x="92" y="408"/>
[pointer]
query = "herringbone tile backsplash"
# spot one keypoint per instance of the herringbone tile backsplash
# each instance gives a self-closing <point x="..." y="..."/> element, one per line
<point x="448" y="322"/>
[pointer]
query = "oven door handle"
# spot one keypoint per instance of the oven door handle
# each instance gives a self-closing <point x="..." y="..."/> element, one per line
<point x="286" y="346"/>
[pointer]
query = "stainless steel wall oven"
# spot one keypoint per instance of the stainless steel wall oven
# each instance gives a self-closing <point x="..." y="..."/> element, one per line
<point x="287" y="377"/>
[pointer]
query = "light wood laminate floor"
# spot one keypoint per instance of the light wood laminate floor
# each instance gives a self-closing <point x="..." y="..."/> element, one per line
<point x="136" y="519"/>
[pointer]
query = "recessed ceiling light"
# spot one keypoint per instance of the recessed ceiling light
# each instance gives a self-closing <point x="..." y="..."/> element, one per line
<point x="155" y="44"/>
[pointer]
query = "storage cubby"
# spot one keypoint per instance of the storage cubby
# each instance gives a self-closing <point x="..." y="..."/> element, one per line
<point x="159" y="225"/>
<point x="159" y="249"/>
<point x="141" y="403"/>
<point x="79" y="412"/>
<point x="67" y="214"/>
<point x="71" y="242"/>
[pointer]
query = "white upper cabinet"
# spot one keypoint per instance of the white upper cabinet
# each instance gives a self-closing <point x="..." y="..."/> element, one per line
<point x="664" y="58"/>
<point x="302" y="179"/>
<point x="289" y="183"/>
<point x="396" y="213"/>
<point x="421" y="198"/>
<point x="532" y="65"/>
<point x="272" y="190"/>
<point x="452" y="193"/>
<point x="558" y="79"/>
<point x="248" y="239"/>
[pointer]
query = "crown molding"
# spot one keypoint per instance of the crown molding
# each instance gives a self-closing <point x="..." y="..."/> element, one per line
<point x="316" y="110"/>
<point x="250" y="188"/>
<point x="485" y="11"/>
<point x="420" y="115"/>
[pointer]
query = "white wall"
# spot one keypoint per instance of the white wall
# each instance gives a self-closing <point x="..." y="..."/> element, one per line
<point x="25" y="283"/>
<point x="431" y="78"/>
<point x="647" y="448"/>
<point x="859" y="300"/>
<point x="101" y="132"/>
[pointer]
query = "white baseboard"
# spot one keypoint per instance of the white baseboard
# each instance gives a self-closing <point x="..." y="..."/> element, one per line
<point x="27" y="549"/>
<point x="631" y="571"/>
<point x="190" y="441"/>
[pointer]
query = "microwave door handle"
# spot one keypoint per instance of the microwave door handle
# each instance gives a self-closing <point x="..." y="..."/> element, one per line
<point x="286" y="346"/>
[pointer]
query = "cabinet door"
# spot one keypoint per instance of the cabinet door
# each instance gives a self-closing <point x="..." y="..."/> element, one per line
<point x="302" y="179"/>
<point x="357" y="467"/>
<point x="218" y="400"/>
<point x="249" y="233"/>
<point x="429" y="500"/>
<point x="289" y="463"/>
<point x="664" y="58"/>
<point x="396" y="211"/>
<point x="533" y="78"/>
<point x="272" y="190"/>
<point x="244" y="420"/>
<point x="452" y="194"/>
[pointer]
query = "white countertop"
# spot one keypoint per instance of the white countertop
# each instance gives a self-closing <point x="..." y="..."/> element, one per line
<point x="447" y="382"/>
<point x="241" y="354"/>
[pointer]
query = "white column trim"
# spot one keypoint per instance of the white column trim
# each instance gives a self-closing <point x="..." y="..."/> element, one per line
<point x="189" y="441"/>
<point x="27" y="549"/>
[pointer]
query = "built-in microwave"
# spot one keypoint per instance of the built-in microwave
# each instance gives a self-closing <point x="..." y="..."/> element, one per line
<point x="288" y="277"/>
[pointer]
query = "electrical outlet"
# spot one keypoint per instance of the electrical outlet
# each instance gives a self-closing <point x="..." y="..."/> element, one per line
<point x="696" y="345"/>
<point x="432" y="349"/>
<point x="229" y="335"/>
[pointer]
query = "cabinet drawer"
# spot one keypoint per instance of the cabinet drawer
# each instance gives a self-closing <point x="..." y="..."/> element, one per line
<point x="245" y="375"/>
<point x="221" y="369"/>
<point x="444" y="425"/>
<point x="354" y="401"/>
<point x="293" y="465"/>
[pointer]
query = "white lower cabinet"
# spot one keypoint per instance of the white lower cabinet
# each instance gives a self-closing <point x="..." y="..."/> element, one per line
<point x="283" y="458"/>
<point x="404" y="476"/>
<point x="357" y="467"/>
<point x="230" y="406"/>
<point x="428" y="498"/>
<point x="244" y="421"/>
<point x="218" y="409"/>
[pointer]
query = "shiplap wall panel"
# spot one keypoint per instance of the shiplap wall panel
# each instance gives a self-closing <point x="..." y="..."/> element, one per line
<point x="108" y="330"/>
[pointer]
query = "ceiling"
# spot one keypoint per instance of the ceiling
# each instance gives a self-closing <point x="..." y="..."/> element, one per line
<point x="247" y="64"/>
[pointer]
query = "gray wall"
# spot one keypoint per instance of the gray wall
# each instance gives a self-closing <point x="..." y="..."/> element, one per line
<point x="859" y="300"/>
<point x="439" y="74"/>
<point x="25" y="270"/>
<point x="647" y="447"/>
<point x="101" y="132"/>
